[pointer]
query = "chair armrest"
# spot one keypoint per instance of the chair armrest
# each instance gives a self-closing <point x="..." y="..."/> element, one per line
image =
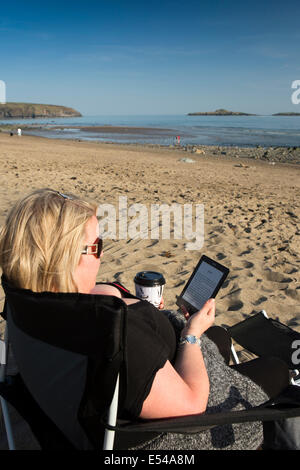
<point x="286" y="405"/>
<point x="265" y="337"/>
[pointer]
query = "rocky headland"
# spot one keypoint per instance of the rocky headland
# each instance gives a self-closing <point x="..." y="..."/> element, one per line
<point x="221" y="112"/>
<point x="32" y="110"/>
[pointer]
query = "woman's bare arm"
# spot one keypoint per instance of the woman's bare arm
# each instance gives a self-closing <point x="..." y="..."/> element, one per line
<point x="184" y="388"/>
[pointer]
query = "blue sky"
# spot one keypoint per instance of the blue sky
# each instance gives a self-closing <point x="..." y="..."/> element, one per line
<point x="156" y="57"/>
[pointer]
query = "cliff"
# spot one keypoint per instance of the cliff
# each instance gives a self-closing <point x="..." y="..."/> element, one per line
<point x="221" y="112"/>
<point x="31" y="110"/>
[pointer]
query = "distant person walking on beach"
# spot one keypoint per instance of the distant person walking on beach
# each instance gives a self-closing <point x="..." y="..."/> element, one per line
<point x="19" y="132"/>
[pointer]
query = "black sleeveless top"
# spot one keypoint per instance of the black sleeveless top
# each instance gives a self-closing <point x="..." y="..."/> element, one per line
<point x="151" y="342"/>
<point x="145" y="357"/>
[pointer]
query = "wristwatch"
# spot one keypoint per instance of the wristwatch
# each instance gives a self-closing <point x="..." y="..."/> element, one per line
<point x="190" y="339"/>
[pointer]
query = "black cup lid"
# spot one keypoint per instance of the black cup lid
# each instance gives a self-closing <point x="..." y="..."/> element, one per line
<point x="149" y="278"/>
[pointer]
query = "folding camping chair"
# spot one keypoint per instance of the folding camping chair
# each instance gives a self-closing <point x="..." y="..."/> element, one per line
<point x="284" y="406"/>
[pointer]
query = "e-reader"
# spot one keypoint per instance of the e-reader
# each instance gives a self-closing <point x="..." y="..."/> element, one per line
<point x="204" y="283"/>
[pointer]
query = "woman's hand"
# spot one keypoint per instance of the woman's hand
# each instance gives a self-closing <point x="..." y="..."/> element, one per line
<point x="200" y="321"/>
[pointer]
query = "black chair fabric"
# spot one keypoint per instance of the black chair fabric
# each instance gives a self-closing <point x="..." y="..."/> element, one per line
<point x="49" y="437"/>
<point x="266" y="337"/>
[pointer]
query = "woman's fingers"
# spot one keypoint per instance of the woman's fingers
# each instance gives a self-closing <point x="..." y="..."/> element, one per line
<point x="184" y="312"/>
<point x="201" y="320"/>
<point x="183" y="309"/>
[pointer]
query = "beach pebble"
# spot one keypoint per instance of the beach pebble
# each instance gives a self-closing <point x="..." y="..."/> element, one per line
<point x="241" y="165"/>
<point x="187" y="160"/>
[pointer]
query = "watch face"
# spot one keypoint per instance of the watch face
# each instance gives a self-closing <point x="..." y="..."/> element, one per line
<point x="192" y="339"/>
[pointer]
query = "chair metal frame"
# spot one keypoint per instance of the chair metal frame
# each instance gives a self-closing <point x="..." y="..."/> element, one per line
<point x="109" y="435"/>
<point x="4" y="345"/>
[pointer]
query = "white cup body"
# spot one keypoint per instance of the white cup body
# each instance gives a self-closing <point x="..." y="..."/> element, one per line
<point x="151" y="294"/>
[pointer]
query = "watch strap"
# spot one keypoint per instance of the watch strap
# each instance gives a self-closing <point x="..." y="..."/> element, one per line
<point x="190" y="339"/>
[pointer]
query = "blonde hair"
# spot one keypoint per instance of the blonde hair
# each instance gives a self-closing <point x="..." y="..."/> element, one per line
<point x="41" y="241"/>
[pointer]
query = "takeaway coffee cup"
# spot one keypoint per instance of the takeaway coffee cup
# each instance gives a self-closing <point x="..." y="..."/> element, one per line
<point x="149" y="286"/>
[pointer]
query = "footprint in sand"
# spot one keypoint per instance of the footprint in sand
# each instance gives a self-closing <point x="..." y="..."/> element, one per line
<point x="237" y="305"/>
<point x="246" y="252"/>
<point x="152" y="244"/>
<point x="225" y="284"/>
<point x="293" y="293"/>
<point x="291" y="271"/>
<point x="179" y="284"/>
<point x="118" y="274"/>
<point x="260" y="301"/>
<point x="235" y="290"/>
<point x="293" y="322"/>
<point x="248" y="264"/>
<point x="275" y="276"/>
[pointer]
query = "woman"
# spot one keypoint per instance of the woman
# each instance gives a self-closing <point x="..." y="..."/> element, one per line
<point x="50" y="243"/>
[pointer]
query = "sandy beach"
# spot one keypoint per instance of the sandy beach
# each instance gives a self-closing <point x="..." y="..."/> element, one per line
<point x="251" y="210"/>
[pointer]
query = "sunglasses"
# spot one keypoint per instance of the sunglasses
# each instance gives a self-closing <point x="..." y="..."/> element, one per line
<point x="94" y="249"/>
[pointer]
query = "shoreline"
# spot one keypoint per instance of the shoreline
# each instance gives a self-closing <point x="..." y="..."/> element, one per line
<point x="158" y="137"/>
<point x="272" y="155"/>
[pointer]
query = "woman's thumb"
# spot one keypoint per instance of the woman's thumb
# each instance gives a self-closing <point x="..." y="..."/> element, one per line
<point x="209" y="304"/>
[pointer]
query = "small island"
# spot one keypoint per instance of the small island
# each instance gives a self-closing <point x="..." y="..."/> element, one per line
<point x="32" y="110"/>
<point x="221" y="112"/>
<point x="286" y="114"/>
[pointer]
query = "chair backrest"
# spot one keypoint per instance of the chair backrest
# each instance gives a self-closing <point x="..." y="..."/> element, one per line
<point x="62" y="344"/>
<point x="56" y="379"/>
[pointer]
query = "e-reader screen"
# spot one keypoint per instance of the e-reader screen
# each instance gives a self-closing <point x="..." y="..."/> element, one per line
<point x="204" y="283"/>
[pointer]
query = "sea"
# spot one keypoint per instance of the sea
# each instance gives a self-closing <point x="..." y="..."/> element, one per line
<point x="242" y="131"/>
